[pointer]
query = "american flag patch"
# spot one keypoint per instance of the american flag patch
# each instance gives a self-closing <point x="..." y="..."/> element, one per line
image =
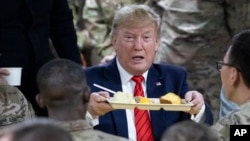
<point x="158" y="83"/>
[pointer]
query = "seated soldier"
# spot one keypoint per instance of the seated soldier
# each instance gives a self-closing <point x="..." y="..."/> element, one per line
<point x="65" y="94"/>
<point x="235" y="77"/>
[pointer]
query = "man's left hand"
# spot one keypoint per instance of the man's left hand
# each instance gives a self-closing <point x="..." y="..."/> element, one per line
<point x="197" y="99"/>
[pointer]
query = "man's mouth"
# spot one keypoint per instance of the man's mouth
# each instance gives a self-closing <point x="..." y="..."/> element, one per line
<point x="137" y="58"/>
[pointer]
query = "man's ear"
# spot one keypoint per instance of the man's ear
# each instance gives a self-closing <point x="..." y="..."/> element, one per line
<point x="234" y="77"/>
<point x="39" y="101"/>
<point x="157" y="44"/>
<point x="113" y="41"/>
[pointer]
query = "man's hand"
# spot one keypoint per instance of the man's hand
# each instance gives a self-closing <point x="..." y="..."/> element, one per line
<point x="3" y="73"/>
<point x="106" y="59"/>
<point x="197" y="99"/>
<point x="98" y="104"/>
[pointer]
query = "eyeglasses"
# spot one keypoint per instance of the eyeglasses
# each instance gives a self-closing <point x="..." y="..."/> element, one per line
<point x="219" y="65"/>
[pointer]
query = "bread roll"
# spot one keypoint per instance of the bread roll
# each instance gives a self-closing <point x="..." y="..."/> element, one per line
<point x="170" y="98"/>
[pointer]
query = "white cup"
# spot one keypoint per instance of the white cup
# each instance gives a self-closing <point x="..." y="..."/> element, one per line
<point x="14" y="78"/>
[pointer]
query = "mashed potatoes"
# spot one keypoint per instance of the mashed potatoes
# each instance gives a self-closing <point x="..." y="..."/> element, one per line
<point x="123" y="97"/>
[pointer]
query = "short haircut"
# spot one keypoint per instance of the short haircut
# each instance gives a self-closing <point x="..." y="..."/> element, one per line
<point x="189" y="130"/>
<point x="62" y="83"/>
<point x="239" y="54"/>
<point x="39" y="130"/>
<point x="135" y="15"/>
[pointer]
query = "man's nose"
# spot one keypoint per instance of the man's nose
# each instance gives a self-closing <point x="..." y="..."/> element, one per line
<point x="138" y="43"/>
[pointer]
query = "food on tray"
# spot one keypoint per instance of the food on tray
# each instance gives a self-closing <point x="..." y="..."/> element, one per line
<point x="137" y="99"/>
<point x="170" y="98"/>
<point x="140" y="99"/>
<point x="123" y="97"/>
<point x="145" y="100"/>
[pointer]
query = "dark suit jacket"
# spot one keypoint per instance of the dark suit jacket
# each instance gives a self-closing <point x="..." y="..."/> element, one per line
<point x="171" y="78"/>
<point x="25" y="29"/>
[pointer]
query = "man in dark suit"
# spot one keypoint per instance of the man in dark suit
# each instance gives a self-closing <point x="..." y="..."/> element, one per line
<point x="25" y="29"/>
<point x="135" y="38"/>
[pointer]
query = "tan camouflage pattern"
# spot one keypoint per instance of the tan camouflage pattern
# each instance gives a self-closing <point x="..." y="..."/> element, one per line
<point x="236" y="117"/>
<point x="196" y="34"/>
<point x="97" y="19"/>
<point x="14" y="107"/>
<point x="238" y="15"/>
<point x="81" y="131"/>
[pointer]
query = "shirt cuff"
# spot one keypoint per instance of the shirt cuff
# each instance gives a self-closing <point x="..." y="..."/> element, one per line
<point x="197" y="118"/>
<point x="92" y="121"/>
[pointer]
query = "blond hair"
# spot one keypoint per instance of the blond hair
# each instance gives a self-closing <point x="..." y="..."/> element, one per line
<point x="132" y="15"/>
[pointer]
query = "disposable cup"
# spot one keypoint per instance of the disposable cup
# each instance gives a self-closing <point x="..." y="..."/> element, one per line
<point x="14" y="78"/>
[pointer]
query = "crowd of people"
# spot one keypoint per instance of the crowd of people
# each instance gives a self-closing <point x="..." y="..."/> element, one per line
<point x="150" y="58"/>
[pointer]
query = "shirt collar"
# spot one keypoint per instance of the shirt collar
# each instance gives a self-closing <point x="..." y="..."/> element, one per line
<point x="125" y="76"/>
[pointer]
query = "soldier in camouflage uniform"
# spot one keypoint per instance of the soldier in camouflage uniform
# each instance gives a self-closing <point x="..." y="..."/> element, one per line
<point x="14" y="107"/>
<point x="195" y="34"/>
<point x="93" y="19"/>
<point x="236" y="83"/>
<point x="64" y="92"/>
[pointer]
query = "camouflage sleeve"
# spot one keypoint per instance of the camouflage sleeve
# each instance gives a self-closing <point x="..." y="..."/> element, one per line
<point x="236" y="117"/>
<point x="14" y="106"/>
<point x="26" y="107"/>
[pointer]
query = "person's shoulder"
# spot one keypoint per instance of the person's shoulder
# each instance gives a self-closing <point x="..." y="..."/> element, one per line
<point x="167" y="68"/>
<point x="110" y="66"/>
<point x="14" y="106"/>
<point x="229" y="119"/>
<point x="96" y="67"/>
<point x="241" y="114"/>
<point x="75" y="125"/>
<point x="235" y="117"/>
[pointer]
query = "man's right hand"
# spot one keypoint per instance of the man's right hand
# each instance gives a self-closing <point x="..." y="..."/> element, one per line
<point x="98" y="104"/>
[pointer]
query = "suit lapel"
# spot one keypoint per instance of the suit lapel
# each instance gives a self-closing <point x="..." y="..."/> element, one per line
<point x="114" y="83"/>
<point x="113" y="80"/>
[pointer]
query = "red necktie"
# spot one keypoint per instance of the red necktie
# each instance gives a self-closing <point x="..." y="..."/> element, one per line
<point x="142" y="121"/>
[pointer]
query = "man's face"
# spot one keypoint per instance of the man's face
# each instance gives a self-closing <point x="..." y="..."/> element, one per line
<point x="135" y="47"/>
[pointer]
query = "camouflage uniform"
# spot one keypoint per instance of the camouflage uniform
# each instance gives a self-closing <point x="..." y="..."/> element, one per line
<point x="236" y="117"/>
<point x="14" y="106"/>
<point x="195" y="34"/>
<point x="97" y="19"/>
<point x="82" y="131"/>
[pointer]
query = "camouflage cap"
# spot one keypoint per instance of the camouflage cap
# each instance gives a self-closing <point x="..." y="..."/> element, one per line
<point x="14" y="107"/>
